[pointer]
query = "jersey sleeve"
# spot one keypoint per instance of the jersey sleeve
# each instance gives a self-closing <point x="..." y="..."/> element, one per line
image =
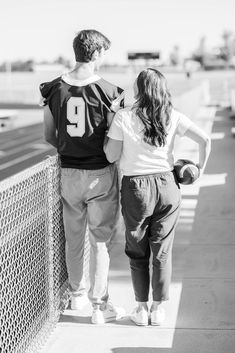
<point x="47" y="89"/>
<point x="115" y="130"/>
<point x="111" y="96"/>
<point x="183" y="124"/>
<point x="117" y="103"/>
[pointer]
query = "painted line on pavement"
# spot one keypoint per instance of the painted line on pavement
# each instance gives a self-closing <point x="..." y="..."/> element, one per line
<point x="23" y="158"/>
<point x="20" y="140"/>
<point x="33" y="144"/>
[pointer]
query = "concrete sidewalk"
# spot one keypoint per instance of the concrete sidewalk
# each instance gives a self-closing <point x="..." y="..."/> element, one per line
<point x="201" y="311"/>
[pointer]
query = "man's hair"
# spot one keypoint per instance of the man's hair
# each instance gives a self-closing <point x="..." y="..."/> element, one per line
<point x="87" y="42"/>
<point x="153" y="106"/>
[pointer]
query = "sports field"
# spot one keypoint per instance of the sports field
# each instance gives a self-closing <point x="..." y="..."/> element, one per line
<point x="22" y="88"/>
<point x="24" y="146"/>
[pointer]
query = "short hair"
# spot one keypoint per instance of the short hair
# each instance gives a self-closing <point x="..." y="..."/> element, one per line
<point x="87" y="42"/>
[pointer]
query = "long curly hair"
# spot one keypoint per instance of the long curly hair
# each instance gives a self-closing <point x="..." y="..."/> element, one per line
<point x="153" y="106"/>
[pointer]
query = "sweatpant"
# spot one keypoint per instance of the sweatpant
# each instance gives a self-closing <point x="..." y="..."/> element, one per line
<point x="150" y="208"/>
<point x="90" y="198"/>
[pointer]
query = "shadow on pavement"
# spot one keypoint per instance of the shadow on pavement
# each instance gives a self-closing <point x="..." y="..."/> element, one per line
<point x="206" y="314"/>
<point x="81" y="320"/>
<point x="75" y="319"/>
<point x="140" y="350"/>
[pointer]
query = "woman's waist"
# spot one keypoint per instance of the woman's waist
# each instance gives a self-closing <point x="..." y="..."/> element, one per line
<point x="136" y="169"/>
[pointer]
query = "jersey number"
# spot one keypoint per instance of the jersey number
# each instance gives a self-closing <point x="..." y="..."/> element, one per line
<point x="76" y="116"/>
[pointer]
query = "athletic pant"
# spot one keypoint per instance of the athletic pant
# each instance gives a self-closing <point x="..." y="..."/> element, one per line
<point x="150" y="207"/>
<point x="90" y="197"/>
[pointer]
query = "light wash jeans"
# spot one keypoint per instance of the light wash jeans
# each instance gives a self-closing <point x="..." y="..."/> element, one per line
<point x="90" y="197"/>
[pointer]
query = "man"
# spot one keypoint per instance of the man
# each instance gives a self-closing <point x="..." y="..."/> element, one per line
<point x="78" y="108"/>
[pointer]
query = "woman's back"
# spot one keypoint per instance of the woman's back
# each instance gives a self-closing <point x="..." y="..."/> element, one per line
<point x="139" y="157"/>
<point x="143" y="136"/>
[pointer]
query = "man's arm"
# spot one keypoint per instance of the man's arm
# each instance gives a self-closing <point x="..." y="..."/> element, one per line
<point x="50" y="132"/>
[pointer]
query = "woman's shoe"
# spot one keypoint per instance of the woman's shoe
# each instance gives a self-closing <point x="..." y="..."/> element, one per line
<point x="158" y="316"/>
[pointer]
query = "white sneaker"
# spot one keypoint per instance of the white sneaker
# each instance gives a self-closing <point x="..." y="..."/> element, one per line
<point x="78" y="302"/>
<point x="140" y="317"/>
<point x="106" y="313"/>
<point x="158" y="317"/>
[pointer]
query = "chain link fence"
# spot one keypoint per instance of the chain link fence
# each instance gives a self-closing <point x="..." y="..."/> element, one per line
<point x="33" y="275"/>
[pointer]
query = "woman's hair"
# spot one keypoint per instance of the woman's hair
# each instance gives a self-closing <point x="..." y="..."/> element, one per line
<point x="153" y="106"/>
<point x="86" y="42"/>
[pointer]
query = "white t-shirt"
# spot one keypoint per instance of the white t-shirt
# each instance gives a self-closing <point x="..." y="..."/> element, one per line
<point x="138" y="157"/>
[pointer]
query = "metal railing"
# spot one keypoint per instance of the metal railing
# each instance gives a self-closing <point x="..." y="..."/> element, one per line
<point x="33" y="275"/>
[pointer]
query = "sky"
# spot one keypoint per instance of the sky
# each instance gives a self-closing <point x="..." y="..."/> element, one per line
<point x="44" y="29"/>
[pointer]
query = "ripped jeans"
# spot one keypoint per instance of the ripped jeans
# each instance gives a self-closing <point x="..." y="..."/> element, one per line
<point x="150" y="207"/>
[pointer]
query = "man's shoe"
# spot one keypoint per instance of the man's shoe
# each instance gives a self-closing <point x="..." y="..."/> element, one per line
<point x="140" y="317"/>
<point x="158" y="316"/>
<point x="97" y="317"/>
<point x="105" y="313"/>
<point x="78" y="302"/>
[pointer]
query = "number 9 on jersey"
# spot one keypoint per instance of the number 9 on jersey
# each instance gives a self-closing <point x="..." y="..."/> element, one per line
<point x="76" y="116"/>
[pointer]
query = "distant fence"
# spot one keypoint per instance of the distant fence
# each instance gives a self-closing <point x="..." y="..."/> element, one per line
<point x="33" y="275"/>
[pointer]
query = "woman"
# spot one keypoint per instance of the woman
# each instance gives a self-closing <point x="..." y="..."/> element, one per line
<point x="142" y="137"/>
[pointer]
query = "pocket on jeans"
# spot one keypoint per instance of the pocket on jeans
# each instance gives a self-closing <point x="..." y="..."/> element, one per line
<point x="170" y="193"/>
<point x="137" y="184"/>
<point x="134" y="199"/>
<point x="138" y="192"/>
<point x="166" y="179"/>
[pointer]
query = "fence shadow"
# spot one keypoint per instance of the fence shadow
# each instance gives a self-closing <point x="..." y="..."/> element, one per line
<point x="140" y="350"/>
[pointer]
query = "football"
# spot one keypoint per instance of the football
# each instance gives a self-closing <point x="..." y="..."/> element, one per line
<point x="186" y="171"/>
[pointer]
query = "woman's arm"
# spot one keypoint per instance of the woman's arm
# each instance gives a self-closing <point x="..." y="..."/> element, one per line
<point x="113" y="150"/>
<point x="114" y="140"/>
<point x="199" y="136"/>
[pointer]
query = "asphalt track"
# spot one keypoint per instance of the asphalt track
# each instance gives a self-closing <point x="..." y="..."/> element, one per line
<point x="21" y="148"/>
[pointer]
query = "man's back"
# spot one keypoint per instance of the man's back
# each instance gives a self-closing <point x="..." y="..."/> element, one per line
<point x="80" y="109"/>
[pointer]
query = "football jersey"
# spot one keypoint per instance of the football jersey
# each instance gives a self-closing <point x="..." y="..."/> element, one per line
<point x="79" y="109"/>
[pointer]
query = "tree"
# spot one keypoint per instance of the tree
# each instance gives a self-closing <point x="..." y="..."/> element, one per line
<point x="228" y="48"/>
<point x="62" y="61"/>
<point x="175" y="56"/>
<point x="200" y="53"/>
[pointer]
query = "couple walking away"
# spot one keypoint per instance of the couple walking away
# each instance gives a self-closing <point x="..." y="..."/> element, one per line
<point x="85" y="120"/>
